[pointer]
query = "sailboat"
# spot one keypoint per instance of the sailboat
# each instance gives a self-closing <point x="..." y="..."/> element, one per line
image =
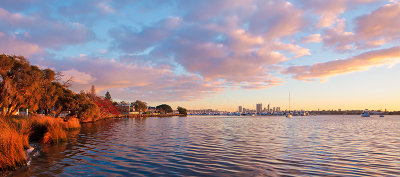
<point x="289" y="115"/>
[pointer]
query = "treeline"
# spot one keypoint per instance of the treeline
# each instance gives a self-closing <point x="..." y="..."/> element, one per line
<point x="25" y="86"/>
<point x="142" y="108"/>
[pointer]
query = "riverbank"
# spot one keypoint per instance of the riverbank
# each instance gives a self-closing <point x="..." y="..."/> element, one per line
<point x="148" y="115"/>
<point x="16" y="133"/>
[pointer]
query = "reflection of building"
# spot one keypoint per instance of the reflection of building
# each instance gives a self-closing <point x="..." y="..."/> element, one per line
<point x="259" y="107"/>
<point x="240" y="109"/>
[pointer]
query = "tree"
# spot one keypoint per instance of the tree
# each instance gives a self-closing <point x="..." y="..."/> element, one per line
<point x="164" y="108"/>
<point x="140" y="106"/>
<point x="108" y="95"/>
<point x="50" y="91"/>
<point x="93" y="91"/>
<point x="182" y="110"/>
<point x="20" y="85"/>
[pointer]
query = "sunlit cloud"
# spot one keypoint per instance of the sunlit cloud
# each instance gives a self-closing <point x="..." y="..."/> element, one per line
<point x="178" y="49"/>
<point x="357" y="63"/>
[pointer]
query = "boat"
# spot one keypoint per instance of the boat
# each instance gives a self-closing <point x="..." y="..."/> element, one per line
<point x="289" y="114"/>
<point x="365" y="114"/>
<point x="381" y="115"/>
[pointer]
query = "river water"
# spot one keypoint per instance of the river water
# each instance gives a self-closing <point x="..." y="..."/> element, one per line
<point x="227" y="146"/>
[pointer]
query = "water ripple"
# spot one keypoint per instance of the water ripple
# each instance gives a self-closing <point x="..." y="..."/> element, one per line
<point x="227" y="146"/>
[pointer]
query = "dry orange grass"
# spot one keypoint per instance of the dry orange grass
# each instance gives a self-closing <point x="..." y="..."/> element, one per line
<point x="72" y="124"/>
<point x="48" y="130"/>
<point x="12" y="152"/>
<point x="15" y="134"/>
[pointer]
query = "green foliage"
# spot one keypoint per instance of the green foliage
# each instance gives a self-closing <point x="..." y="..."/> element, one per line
<point x="108" y="95"/>
<point x="164" y="108"/>
<point x="182" y="110"/>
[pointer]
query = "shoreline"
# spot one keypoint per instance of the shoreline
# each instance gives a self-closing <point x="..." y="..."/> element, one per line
<point x="46" y="134"/>
<point x="147" y="115"/>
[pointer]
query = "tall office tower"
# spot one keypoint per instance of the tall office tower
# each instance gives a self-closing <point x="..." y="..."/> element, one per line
<point x="274" y="109"/>
<point x="259" y="108"/>
<point x="278" y="109"/>
<point x="240" y="109"/>
<point x="268" y="108"/>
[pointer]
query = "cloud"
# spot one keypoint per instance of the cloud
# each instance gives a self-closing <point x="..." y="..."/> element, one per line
<point x="43" y="31"/>
<point x="132" y="81"/>
<point x="294" y="49"/>
<point x="371" y="30"/>
<point x="18" y="4"/>
<point x="329" y="11"/>
<point x="383" y="23"/>
<point x="12" y="46"/>
<point x="131" y="42"/>
<point x="312" y="38"/>
<point x="78" y="77"/>
<point x="235" y="42"/>
<point x="162" y="49"/>
<point x="353" y="64"/>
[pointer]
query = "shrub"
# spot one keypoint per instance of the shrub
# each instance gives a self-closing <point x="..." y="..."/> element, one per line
<point x="15" y="134"/>
<point x="48" y="130"/>
<point x="12" y="152"/>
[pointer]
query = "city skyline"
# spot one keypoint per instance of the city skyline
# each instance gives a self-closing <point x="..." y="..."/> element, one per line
<point x="205" y="54"/>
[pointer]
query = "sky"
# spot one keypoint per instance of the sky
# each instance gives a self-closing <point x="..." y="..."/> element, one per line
<point x="216" y="54"/>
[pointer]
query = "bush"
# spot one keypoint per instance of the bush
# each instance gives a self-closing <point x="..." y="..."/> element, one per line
<point x="12" y="152"/>
<point x="15" y="134"/>
<point x="48" y="130"/>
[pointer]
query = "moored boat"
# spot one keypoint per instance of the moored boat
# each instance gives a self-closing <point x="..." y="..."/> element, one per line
<point x="365" y="114"/>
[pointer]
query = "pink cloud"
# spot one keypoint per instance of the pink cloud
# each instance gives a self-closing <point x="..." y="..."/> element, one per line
<point x="312" y="38"/>
<point x="336" y="67"/>
<point x="43" y="31"/>
<point x="12" y="46"/>
<point x="383" y="23"/>
<point x="371" y="30"/>
<point x="132" y="81"/>
<point x="329" y="11"/>
<point x="275" y="19"/>
<point x="214" y="43"/>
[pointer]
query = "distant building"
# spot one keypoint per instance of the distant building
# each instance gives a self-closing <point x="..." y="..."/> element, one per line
<point x="240" y="109"/>
<point x="151" y="109"/>
<point x="278" y="109"/>
<point x="259" y="108"/>
<point x="268" y="108"/>
<point x="273" y="109"/>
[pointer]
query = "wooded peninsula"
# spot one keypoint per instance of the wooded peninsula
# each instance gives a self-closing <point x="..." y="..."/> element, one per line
<point x="49" y="108"/>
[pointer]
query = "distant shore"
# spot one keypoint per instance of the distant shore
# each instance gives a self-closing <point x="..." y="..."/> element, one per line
<point x="148" y="115"/>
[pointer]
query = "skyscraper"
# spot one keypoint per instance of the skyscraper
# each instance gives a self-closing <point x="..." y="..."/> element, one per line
<point x="240" y="109"/>
<point x="268" y="108"/>
<point x="259" y="107"/>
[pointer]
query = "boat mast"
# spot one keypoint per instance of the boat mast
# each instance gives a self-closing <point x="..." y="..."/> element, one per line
<point x="289" y="101"/>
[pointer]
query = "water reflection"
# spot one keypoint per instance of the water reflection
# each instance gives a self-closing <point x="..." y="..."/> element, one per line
<point x="227" y="146"/>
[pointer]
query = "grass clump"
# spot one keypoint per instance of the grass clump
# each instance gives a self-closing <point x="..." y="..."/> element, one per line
<point x="12" y="154"/>
<point x="16" y="133"/>
<point x="72" y="124"/>
<point x="48" y="130"/>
